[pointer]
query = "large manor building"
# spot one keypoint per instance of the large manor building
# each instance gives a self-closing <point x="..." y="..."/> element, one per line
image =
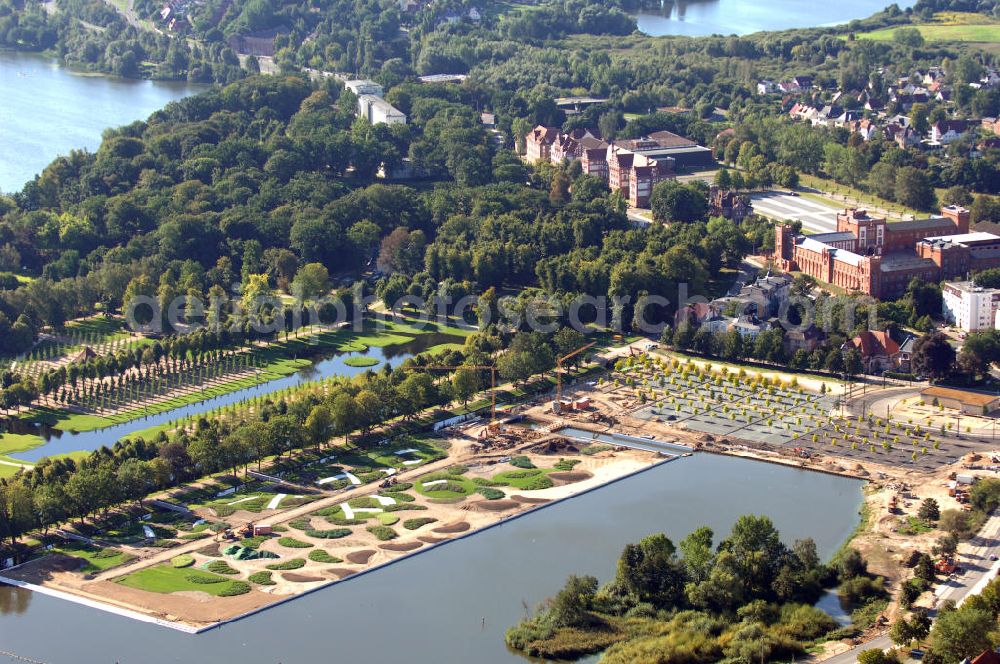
<point x="870" y="256"/>
<point x="632" y="166"/>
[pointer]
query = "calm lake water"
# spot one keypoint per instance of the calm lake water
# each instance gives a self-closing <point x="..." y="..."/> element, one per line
<point x="430" y="608"/>
<point x="726" y="17"/>
<point x="326" y="365"/>
<point x="46" y="111"/>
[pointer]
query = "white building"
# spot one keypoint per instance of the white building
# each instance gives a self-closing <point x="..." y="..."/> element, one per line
<point x="378" y="110"/>
<point x="364" y="87"/>
<point x="969" y="307"/>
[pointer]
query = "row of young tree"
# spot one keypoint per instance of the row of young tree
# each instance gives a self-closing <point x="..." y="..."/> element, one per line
<point x="56" y="490"/>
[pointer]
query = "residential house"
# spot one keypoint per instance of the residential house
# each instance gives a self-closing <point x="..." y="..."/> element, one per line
<point x="878" y="350"/>
<point x="906" y="353"/>
<point x="766" y="87"/>
<point x="944" y="132"/>
<point x="769" y="293"/>
<point x="806" y="338"/>
<point x="729" y="204"/>
<point x="538" y="143"/>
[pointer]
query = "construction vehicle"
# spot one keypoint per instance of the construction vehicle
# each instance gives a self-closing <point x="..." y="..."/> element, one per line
<point x="946" y="565"/>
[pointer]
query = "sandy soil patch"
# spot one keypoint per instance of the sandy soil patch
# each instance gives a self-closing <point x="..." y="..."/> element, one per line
<point x="567" y="476"/>
<point x="339" y="572"/>
<point x="493" y="506"/>
<point x="301" y="578"/>
<point x="401" y="546"/>
<point x="530" y="500"/>
<point x="430" y="539"/>
<point x="452" y="528"/>
<point x="360" y="557"/>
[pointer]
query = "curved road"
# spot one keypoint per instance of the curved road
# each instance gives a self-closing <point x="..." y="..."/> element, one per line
<point x="977" y="568"/>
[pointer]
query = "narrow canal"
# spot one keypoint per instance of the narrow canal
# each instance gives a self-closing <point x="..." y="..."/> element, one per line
<point x="326" y="365"/>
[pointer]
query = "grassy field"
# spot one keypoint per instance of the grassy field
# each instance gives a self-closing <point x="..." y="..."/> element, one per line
<point x="863" y="198"/>
<point x="983" y="33"/>
<point x="947" y="26"/>
<point x="169" y="579"/>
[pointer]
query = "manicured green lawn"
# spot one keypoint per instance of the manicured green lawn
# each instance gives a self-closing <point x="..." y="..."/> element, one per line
<point x="454" y="487"/>
<point x="168" y="579"/>
<point x="361" y="361"/>
<point x="19" y="442"/>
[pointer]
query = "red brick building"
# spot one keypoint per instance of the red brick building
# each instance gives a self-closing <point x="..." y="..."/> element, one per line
<point x="870" y="256"/>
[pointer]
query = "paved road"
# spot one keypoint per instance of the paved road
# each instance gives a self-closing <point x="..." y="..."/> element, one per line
<point x="815" y="217"/>
<point x="978" y="570"/>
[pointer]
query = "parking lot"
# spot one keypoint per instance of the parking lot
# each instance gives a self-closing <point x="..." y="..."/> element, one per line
<point x="815" y="217"/>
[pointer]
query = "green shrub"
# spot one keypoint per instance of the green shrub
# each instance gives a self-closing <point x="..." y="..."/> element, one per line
<point x="399" y="497"/>
<point x="205" y="580"/>
<point x="220" y="567"/>
<point x="404" y="507"/>
<point x="300" y="524"/>
<point x="262" y="578"/>
<point x="279" y="529"/>
<point x="253" y="542"/>
<point x="321" y="556"/>
<point x="183" y="560"/>
<point x="293" y="543"/>
<point x="401" y="486"/>
<point x="458" y="470"/>
<point x="291" y="563"/>
<point x="566" y="464"/>
<point x="413" y="524"/>
<point x="383" y="533"/>
<point x="490" y="494"/>
<point x="522" y="462"/>
<point x="235" y="588"/>
<point x="333" y="533"/>
<point x="536" y="483"/>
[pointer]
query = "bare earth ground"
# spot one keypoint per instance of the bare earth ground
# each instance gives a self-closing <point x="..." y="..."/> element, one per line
<point x="358" y="552"/>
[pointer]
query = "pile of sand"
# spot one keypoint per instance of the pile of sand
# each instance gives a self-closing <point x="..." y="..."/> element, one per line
<point x="494" y="505"/>
<point x="452" y="528"/>
<point x="339" y="572"/>
<point x="528" y="500"/>
<point x="400" y="546"/>
<point x="569" y="476"/>
<point x="360" y="557"/>
<point x="300" y="578"/>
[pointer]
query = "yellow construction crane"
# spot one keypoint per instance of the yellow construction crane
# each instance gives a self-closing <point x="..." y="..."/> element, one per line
<point x="493" y="382"/>
<point x="559" y="366"/>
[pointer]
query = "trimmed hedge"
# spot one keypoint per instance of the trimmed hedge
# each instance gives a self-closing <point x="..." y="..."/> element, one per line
<point x="383" y="533"/>
<point x="291" y="563"/>
<point x="220" y="567"/>
<point x="399" y="497"/>
<point x="521" y="462"/>
<point x="254" y="542"/>
<point x="321" y="556"/>
<point x="333" y="533"/>
<point x="183" y="560"/>
<point x="489" y="493"/>
<point x="262" y="578"/>
<point x="403" y="507"/>
<point x="204" y="580"/>
<point x="293" y="543"/>
<point x="566" y="464"/>
<point x="413" y="524"/>
<point x="235" y="588"/>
